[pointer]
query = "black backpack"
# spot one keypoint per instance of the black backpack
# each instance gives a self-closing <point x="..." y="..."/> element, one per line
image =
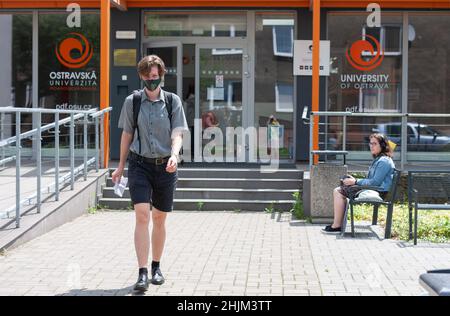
<point x="168" y="98"/>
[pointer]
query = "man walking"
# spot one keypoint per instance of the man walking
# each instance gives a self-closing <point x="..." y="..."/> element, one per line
<point x="153" y="121"/>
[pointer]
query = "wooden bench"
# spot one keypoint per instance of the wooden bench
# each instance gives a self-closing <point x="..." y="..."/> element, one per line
<point x="427" y="190"/>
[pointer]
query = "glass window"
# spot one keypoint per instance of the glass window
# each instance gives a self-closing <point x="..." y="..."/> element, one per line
<point x="232" y="24"/>
<point x="69" y="69"/>
<point x="394" y="130"/>
<point x="283" y="40"/>
<point x="16" y="32"/>
<point x="429" y="79"/>
<point x="284" y="97"/>
<point x="410" y="132"/>
<point x="274" y="80"/>
<point x="365" y="70"/>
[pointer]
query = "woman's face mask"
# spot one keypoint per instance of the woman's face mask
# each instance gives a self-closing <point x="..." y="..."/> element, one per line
<point x="153" y="84"/>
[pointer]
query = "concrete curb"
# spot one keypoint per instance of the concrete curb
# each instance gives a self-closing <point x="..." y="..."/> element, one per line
<point x="71" y="205"/>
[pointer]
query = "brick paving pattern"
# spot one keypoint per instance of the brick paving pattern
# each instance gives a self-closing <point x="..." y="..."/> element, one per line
<point x="217" y="253"/>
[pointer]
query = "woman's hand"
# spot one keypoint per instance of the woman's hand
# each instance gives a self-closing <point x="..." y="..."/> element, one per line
<point x="349" y="181"/>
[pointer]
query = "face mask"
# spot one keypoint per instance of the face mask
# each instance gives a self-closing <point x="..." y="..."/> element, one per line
<point x="152" y="85"/>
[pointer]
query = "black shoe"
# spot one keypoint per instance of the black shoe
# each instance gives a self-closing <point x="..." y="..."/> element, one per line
<point x="142" y="283"/>
<point x="330" y="230"/>
<point x="157" y="277"/>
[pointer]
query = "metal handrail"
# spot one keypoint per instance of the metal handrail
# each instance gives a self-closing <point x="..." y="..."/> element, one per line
<point x="32" y="132"/>
<point x="345" y="115"/>
<point x="74" y="171"/>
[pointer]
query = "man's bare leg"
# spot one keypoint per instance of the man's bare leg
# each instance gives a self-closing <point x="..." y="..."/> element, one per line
<point x="158" y="233"/>
<point x="141" y="233"/>
<point x="158" y="240"/>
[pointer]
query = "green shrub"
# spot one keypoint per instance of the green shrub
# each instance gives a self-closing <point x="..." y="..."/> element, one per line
<point x="297" y="207"/>
<point x="271" y="208"/>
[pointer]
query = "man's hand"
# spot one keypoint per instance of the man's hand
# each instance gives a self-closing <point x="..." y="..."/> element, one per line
<point x="172" y="164"/>
<point x="117" y="174"/>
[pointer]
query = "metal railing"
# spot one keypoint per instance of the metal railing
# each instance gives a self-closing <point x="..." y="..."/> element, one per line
<point x="60" y="181"/>
<point x="345" y="115"/>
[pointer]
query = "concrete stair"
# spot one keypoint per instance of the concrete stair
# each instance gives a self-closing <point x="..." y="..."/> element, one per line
<point x="223" y="189"/>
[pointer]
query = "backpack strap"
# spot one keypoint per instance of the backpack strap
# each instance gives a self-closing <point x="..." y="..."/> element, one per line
<point x="137" y="97"/>
<point x="168" y="98"/>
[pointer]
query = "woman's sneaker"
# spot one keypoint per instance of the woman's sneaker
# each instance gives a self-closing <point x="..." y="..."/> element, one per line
<point x="330" y="230"/>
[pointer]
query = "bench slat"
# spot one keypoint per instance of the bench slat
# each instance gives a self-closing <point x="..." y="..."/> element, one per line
<point x="433" y="206"/>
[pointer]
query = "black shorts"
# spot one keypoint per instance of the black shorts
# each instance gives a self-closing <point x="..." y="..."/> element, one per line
<point x="151" y="183"/>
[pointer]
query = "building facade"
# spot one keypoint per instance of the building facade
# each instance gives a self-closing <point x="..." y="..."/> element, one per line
<point x="233" y="66"/>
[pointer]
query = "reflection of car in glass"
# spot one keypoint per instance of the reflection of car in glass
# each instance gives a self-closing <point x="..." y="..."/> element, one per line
<point x="421" y="137"/>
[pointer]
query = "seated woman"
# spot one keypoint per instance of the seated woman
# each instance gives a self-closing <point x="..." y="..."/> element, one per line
<point x="380" y="174"/>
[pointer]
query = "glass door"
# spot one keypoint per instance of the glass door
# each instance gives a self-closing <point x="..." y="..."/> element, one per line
<point x="171" y="54"/>
<point x="221" y="102"/>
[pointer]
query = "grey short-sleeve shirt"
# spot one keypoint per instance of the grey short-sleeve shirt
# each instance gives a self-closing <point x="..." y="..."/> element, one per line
<point x="153" y="122"/>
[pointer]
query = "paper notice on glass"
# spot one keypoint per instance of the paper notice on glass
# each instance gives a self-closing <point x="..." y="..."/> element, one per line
<point x="219" y="81"/>
<point x="216" y="94"/>
<point x="120" y="186"/>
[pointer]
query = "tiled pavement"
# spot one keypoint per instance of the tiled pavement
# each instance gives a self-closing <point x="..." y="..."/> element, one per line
<point x="211" y="253"/>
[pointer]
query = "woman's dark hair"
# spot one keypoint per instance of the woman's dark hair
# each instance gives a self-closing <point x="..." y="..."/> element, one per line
<point x="386" y="150"/>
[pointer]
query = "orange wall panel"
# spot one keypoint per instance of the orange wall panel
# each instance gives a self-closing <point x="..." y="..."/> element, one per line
<point x="410" y="4"/>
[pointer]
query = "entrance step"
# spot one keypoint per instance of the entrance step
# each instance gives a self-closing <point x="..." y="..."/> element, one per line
<point x="207" y="204"/>
<point x="223" y="189"/>
<point x="220" y="193"/>
<point x="238" y="183"/>
<point x="247" y="173"/>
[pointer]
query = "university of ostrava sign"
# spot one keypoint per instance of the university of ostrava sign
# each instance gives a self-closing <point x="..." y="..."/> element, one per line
<point x="74" y="41"/>
<point x="356" y="51"/>
<point x="73" y="80"/>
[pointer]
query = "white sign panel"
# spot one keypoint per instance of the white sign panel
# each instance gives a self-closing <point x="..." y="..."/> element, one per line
<point x="303" y="56"/>
<point x="219" y="81"/>
<point x="217" y="94"/>
<point x="125" y="34"/>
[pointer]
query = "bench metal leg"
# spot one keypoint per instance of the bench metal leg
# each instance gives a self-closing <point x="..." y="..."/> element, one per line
<point x="352" y="220"/>
<point x="375" y="214"/>
<point x="410" y="236"/>
<point x="416" y="218"/>
<point x="344" y="221"/>
<point x="387" y="232"/>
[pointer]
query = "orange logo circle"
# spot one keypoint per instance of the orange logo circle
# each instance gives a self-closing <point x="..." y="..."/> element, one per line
<point x="354" y="54"/>
<point x="77" y="42"/>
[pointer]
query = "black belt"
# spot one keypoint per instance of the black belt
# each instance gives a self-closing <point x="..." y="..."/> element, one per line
<point x="156" y="161"/>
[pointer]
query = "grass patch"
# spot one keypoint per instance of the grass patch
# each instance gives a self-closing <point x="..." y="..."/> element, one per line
<point x="200" y="205"/>
<point x="270" y="209"/>
<point x="433" y="226"/>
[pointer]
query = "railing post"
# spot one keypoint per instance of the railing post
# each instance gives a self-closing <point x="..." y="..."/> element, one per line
<point x="18" y="142"/>
<point x="2" y="131"/>
<point x="85" y="146"/>
<point x="404" y="141"/>
<point x="344" y="133"/>
<point x="96" y="145"/>
<point x="311" y="128"/>
<point x="56" y="156"/>
<point x="39" y="161"/>
<point x="72" y="151"/>
<point x="102" y="143"/>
